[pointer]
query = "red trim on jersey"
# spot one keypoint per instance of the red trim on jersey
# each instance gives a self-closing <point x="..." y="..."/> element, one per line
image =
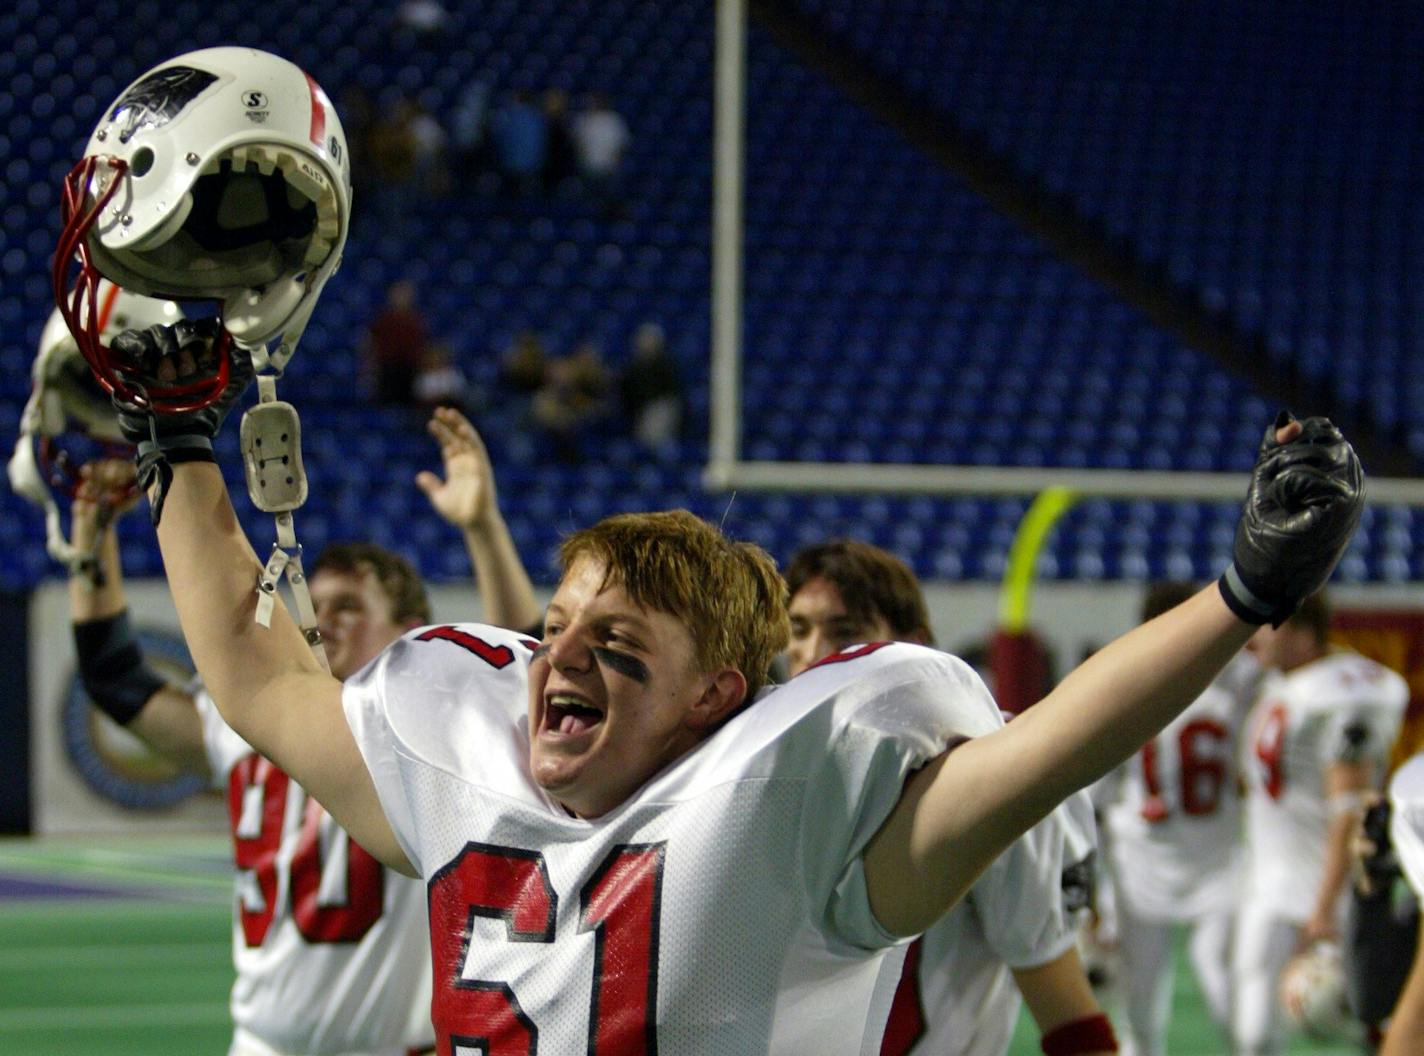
<point x="318" y="117"/>
<point x="847" y="654"/>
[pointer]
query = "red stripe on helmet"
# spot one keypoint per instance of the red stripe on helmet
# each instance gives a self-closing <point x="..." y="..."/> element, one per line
<point x="318" y="117"/>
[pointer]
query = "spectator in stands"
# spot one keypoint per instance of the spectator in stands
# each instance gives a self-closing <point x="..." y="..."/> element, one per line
<point x="469" y="130"/>
<point x="430" y="168"/>
<point x="524" y="366"/>
<point x="573" y="399"/>
<point x="601" y="137"/>
<point x="427" y="19"/>
<point x="395" y="345"/>
<point x="358" y="116"/>
<point x="393" y="149"/>
<point x="439" y="382"/>
<point x="520" y="137"/>
<point x="651" y="389"/>
<point x="560" y="160"/>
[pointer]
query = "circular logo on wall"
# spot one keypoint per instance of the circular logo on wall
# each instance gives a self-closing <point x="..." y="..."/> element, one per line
<point x="110" y="759"/>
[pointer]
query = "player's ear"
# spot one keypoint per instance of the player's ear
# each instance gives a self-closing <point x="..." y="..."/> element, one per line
<point x="724" y="694"/>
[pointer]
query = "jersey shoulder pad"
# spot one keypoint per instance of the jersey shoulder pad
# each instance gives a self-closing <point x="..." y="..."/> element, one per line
<point x="445" y="687"/>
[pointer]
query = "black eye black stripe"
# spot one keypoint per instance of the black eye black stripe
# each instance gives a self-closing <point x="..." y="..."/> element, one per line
<point x="539" y="653"/>
<point x="625" y="665"/>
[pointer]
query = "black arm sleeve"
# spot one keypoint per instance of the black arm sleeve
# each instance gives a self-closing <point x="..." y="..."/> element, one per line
<point x="112" y="667"/>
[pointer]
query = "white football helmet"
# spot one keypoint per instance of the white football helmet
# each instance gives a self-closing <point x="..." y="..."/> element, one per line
<point x="1314" y="995"/>
<point x="219" y="175"/>
<point x="66" y="401"/>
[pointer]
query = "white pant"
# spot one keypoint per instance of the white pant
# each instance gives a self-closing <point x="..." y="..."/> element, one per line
<point x="1146" y="948"/>
<point x="1264" y="943"/>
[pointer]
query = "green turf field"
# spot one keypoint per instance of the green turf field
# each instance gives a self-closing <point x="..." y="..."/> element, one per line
<point x="121" y="947"/>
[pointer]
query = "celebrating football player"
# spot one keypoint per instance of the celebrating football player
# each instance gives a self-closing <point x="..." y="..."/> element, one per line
<point x="627" y="846"/>
<point x="956" y="996"/>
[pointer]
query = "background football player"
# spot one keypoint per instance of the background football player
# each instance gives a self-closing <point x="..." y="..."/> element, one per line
<point x="1317" y="739"/>
<point x="1172" y="818"/>
<point x="331" y="948"/>
<point x="1014" y="932"/>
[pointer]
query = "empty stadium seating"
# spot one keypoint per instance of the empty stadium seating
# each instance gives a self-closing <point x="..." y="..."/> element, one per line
<point x="890" y="314"/>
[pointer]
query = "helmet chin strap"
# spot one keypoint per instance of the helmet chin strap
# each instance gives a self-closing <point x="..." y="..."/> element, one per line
<point x="271" y="442"/>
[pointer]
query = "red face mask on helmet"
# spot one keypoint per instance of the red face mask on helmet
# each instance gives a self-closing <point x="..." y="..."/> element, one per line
<point x="220" y="175"/>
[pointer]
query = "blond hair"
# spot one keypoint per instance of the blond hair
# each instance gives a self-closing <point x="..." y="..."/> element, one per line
<point x="727" y="594"/>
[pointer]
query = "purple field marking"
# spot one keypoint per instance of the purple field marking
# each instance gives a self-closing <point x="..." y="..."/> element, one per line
<point x="23" y="887"/>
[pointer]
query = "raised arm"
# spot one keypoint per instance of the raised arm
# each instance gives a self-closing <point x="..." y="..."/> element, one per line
<point x="265" y="681"/>
<point x="466" y="498"/>
<point x="116" y="677"/>
<point x="962" y="809"/>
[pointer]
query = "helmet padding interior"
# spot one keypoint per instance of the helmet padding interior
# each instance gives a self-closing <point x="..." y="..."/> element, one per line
<point x="244" y="228"/>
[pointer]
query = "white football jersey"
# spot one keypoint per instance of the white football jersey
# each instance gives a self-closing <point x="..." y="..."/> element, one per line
<point x="1340" y="708"/>
<point x="331" y="948"/>
<point x="1174" y="823"/>
<point x="1406" y="820"/>
<point x="721" y="910"/>
<point x="957" y="995"/>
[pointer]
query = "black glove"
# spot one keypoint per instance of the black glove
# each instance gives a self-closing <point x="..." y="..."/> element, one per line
<point x="163" y="439"/>
<point x="1304" y="502"/>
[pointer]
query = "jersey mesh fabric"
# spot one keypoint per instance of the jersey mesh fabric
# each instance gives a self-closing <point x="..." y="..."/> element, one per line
<point x="298" y="996"/>
<point x="1013" y="917"/>
<point x="764" y="937"/>
<point x="1175" y="822"/>
<point x="1340" y="708"/>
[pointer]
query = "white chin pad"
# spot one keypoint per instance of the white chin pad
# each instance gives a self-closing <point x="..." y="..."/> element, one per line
<point x="256" y="316"/>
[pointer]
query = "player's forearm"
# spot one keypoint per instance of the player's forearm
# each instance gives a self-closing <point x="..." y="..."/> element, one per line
<point x="505" y="589"/>
<point x="99" y="597"/>
<point x="212" y="573"/>
<point x="1120" y="698"/>
<point x="960" y="812"/>
<point x="1057" y="992"/>
<point x="169" y="724"/>
<point x="1337" y="866"/>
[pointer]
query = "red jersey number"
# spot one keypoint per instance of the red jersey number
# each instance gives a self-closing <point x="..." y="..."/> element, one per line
<point x="1270" y="749"/>
<point x="1202" y="767"/>
<point x="620" y="905"/>
<point x="256" y="779"/>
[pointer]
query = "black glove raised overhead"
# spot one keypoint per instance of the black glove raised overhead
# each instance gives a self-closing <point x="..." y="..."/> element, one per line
<point x="164" y="355"/>
<point x="1304" y="502"/>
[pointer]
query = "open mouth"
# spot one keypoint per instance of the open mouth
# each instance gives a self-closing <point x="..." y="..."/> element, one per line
<point x="569" y="715"/>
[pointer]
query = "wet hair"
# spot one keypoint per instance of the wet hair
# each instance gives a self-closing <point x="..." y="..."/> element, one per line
<point x="727" y="594"/>
<point x="872" y="582"/>
<point x="398" y="578"/>
<point x="1164" y="595"/>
